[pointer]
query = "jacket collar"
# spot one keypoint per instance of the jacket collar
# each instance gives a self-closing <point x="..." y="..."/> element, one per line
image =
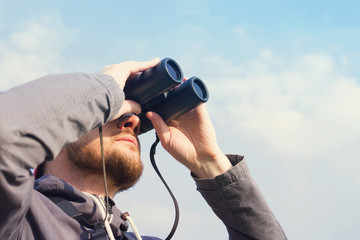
<point x="52" y="186"/>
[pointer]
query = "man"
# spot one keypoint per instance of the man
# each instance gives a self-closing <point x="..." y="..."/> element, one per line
<point x="56" y="118"/>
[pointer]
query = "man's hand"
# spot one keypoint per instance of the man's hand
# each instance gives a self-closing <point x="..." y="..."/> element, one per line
<point x="123" y="72"/>
<point x="191" y="140"/>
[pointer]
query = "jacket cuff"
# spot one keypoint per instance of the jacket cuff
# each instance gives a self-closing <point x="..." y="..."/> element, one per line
<point x="116" y="95"/>
<point x="238" y="172"/>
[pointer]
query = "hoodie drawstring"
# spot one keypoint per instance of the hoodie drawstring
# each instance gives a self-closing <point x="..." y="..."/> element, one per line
<point x="126" y="217"/>
<point x="103" y="214"/>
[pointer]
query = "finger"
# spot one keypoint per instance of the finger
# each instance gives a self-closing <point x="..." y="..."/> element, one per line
<point x="162" y="130"/>
<point x="136" y="67"/>
<point x="128" y="106"/>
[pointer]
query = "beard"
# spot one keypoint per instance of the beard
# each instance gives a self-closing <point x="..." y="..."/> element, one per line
<point x="123" y="164"/>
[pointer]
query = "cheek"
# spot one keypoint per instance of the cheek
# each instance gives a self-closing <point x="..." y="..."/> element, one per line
<point x="86" y="139"/>
<point x="90" y="148"/>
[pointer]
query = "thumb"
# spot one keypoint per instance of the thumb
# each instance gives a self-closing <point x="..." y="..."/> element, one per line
<point x="162" y="130"/>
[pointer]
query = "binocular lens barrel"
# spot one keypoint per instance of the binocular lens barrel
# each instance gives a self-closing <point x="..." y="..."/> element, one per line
<point x="178" y="101"/>
<point x="161" y="89"/>
<point x="154" y="81"/>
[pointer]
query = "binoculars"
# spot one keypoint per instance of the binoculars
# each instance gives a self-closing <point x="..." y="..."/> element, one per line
<point x="161" y="89"/>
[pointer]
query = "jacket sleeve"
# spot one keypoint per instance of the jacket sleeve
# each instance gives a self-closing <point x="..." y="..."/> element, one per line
<point x="237" y="201"/>
<point x="37" y="120"/>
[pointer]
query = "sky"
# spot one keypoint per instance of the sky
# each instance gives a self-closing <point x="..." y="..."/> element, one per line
<point x="284" y="87"/>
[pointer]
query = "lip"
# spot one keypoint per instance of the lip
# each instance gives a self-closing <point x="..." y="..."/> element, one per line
<point x="130" y="139"/>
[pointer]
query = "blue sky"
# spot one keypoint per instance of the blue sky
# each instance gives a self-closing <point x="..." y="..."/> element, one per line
<point x="284" y="90"/>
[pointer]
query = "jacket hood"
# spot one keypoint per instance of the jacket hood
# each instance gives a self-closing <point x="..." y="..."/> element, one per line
<point x="52" y="186"/>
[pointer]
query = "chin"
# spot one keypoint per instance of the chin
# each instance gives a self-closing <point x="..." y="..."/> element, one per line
<point x="124" y="168"/>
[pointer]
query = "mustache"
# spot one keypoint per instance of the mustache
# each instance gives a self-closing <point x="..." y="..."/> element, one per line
<point x="126" y="132"/>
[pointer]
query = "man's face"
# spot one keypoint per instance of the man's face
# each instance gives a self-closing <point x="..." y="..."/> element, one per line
<point x="121" y="152"/>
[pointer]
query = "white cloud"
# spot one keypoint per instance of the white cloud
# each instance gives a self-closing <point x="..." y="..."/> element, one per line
<point x="307" y="108"/>
<point x="317" y="64"/>
<point x="33" y="50"/>
<point x="240" y="32"/>
<point x="154" y="219"/>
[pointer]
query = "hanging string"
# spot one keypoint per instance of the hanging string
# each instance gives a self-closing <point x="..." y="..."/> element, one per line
<point x="104" y="174"/>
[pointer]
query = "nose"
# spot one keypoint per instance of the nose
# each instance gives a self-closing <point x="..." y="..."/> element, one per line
<point x="129" y="121"/>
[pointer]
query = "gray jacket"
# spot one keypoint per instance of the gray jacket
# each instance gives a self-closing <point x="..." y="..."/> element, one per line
<point x="39" y="118"/>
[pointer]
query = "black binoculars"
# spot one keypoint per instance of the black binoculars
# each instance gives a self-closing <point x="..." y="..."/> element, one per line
<point x="162" y="89"/>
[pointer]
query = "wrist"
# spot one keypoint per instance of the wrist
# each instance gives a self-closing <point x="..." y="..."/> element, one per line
<point x="212" y="167"/>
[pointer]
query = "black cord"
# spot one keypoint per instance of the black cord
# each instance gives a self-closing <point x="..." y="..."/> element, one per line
<point x="177" y="214"/>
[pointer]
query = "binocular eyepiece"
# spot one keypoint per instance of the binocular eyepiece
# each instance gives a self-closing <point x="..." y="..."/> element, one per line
<point x="161" y="89"/>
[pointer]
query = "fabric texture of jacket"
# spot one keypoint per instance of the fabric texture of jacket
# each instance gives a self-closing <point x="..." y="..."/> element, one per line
<point x="39" y="118"/>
